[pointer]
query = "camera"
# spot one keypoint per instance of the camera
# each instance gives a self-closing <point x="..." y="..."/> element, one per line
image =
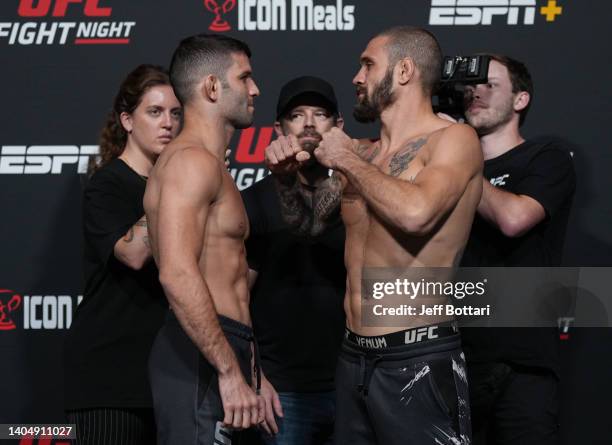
<point x="457" y="72"/>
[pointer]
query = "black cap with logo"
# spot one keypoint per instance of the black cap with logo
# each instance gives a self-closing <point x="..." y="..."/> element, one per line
<point x="306" y="90"/>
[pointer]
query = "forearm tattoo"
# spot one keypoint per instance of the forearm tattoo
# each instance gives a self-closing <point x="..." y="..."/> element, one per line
<point x="293" y="208"/>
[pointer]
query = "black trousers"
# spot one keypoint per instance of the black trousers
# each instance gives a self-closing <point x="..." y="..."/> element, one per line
<point x="404" y="395"/>
<point x="513" y="405"/>
<point x="116" y="426"/>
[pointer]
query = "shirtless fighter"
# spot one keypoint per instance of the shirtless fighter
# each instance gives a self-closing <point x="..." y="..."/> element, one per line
<point x="407" y="201"/>
<point x="200" y="365"/>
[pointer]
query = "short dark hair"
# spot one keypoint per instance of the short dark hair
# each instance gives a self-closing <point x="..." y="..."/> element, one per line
<point x="200" y="55"/>
<point x="519" y="78"/>
<point x="419" y="45"/>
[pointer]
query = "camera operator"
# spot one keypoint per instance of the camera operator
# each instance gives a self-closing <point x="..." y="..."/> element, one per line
<point x="522" y="217"/>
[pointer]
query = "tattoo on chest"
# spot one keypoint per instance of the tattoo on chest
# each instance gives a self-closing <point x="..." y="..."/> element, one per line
<point x="400" y="160"/>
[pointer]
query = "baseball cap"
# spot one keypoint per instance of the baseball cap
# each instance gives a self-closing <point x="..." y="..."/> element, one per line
<point x="306" y="86"/>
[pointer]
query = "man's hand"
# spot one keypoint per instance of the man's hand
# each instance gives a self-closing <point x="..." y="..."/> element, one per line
<point x="241" y="405"/>
<point x="272" y="406"/>
<point x="335" y="146"/>
<point x="285" y="156"/>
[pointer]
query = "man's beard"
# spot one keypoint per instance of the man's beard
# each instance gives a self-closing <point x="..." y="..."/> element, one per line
<point x="238" y="114"/>
<point x="368" y="110"/>
<point x="310" y="145"/>
<point x="489" y="119"/>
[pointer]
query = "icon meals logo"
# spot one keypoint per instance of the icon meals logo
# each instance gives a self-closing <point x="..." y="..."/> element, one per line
<point x="280" y="15"/>
<point x="9" y="302"/>
<point x="52" y="32"/>
<point x="482" y="12"/>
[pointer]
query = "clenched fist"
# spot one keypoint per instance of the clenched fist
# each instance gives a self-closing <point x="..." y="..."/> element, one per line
<point x="285" y="156"/>
<point x="335" y="146"/>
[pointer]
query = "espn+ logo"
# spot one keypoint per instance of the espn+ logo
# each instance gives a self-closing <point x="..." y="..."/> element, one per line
<point x="484" y="12"/>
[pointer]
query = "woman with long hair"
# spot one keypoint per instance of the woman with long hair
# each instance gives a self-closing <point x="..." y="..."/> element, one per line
<point x="107" y="391"/>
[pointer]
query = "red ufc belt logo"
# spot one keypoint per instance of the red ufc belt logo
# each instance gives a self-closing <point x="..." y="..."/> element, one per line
<point x="6" y="307"/>
<point x="213" y="6"/>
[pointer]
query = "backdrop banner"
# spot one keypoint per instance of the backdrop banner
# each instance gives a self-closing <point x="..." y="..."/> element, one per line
<point x="63" y="60"/>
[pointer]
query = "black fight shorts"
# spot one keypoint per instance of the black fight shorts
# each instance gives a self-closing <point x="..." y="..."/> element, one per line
<point x="407" y="388"/>
<point x="188" y="407"/>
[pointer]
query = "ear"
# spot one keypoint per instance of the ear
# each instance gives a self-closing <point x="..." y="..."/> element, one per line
<point x="278" y="129"/>
<point x="126" y="121"/>
<point x="521" y="101"/>
<point x="340" y="122"/>
<point x="405" y="70"/>
<point x="210" y="88"/>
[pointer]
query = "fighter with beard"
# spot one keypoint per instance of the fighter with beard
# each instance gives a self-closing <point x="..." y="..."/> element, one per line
<point x="200" y="366"/>
<point x="407" y="202"/>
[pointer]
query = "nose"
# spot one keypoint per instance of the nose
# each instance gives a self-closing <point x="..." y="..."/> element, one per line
<point x="167" y="120"/>
<point x="254" y="90"/>
<point x="476" y="90"/>
<point x="309" y="120"/>
<point x="359" y="78"/>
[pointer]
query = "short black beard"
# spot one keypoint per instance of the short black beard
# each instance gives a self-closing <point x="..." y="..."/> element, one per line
<point x="368" y="110"/>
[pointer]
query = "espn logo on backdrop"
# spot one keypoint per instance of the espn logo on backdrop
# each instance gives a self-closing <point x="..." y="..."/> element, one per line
<point x="488" y="12"/>
<point x="67" y="159"/>
<point x="45" y="159"/>
<point x="54" y="31"/>
<point x="281" y="15"/>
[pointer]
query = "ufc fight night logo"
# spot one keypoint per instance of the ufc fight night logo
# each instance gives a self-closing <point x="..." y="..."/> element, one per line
<point x="44" y="159"/>
<point x="485" y="12"/>
<point x="54" y="31"/>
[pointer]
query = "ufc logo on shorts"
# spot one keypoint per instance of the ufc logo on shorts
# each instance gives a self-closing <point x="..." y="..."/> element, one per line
<point x="223" y="436"/>
<point x="416" y="335"/>
<point x="500" y="180"/>
<point x="481" y="12"/>
<point x="44" y="159"/>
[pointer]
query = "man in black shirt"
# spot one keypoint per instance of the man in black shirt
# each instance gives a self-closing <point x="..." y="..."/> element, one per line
<point x="522" y="217"/>
<point x="296" y="300"/>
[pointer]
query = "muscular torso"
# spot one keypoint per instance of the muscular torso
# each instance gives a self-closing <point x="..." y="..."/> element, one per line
<point x="222" y="259"/>
<point x="372" y="243"/>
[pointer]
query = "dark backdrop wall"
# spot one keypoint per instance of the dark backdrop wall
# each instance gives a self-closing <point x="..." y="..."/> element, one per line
<point x="62" y="61"/>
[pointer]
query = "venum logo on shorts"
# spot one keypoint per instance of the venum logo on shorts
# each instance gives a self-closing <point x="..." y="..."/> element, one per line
<point x="486" y="12"/>
<point x="100" y="31"/>
<point x="281" y="15"/>
<point x="44" y="159"/>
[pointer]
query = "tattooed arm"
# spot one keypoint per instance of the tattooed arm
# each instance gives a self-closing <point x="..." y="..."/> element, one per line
<point x="133" y="249"/>
<point x="414" y="205"/>
<point x="294" y="210"/>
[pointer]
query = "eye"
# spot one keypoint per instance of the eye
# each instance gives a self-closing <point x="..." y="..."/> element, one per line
<point x="154" y="111"/>
<point x="177" y="114"/>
